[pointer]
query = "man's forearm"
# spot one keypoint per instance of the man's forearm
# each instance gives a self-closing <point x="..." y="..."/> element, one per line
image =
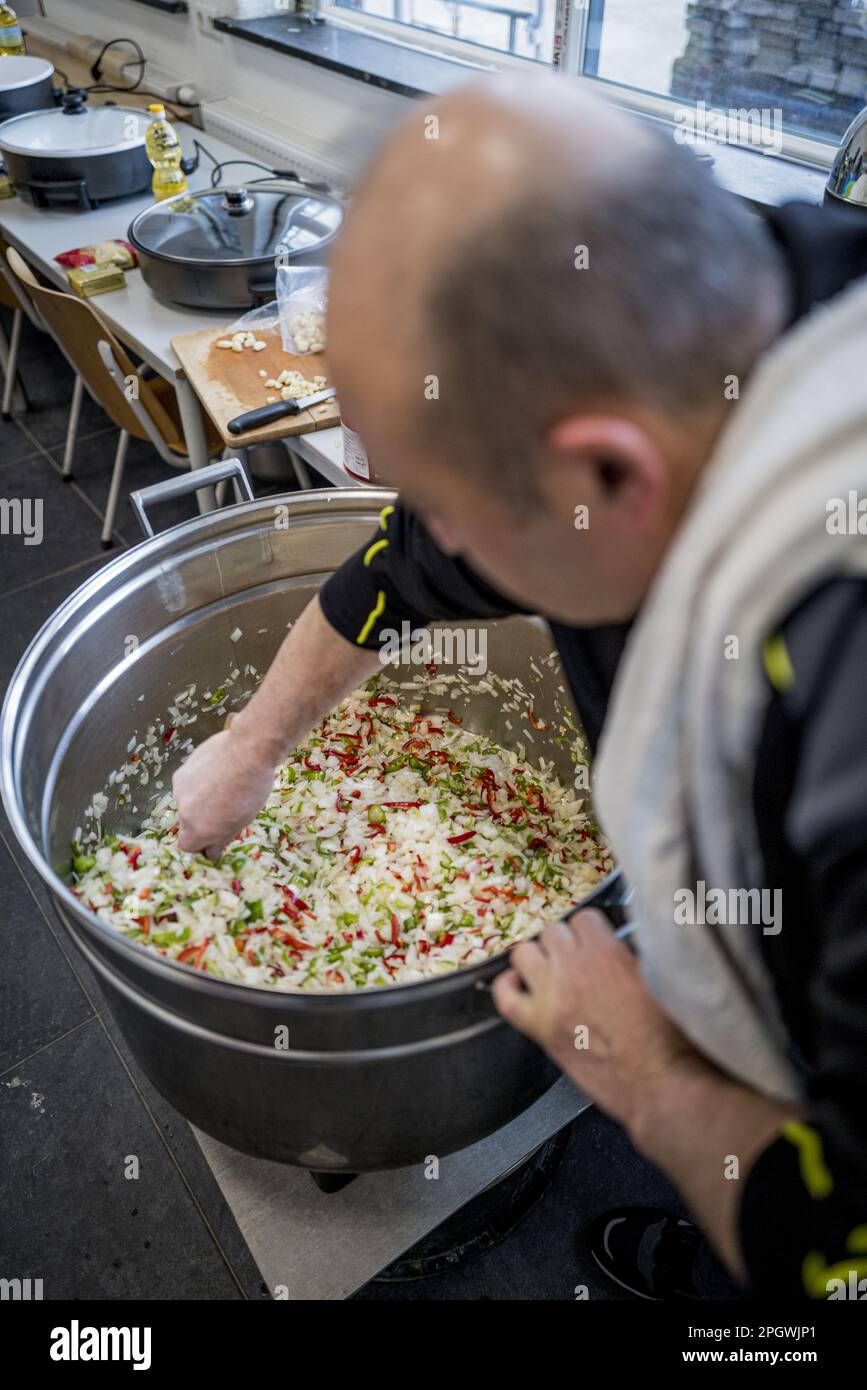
<point x="312" y="672"/>
<point x="692" y="1125"/>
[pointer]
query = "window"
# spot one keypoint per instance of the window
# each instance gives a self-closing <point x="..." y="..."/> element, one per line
<point x="523" y="28"/>
<point x="801" y="64"/>
<point x="797" y="66"/>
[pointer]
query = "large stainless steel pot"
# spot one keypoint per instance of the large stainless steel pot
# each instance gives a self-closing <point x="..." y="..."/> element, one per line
<point x="375" y="1079"/>
<point x="847" y="181"/>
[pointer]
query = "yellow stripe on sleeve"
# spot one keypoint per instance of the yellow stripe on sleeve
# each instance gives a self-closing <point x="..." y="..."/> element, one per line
<point x="383" y="517"/>
<point x="371" y="619"/>
<point x="374" y="550"/>
<point x="817" y="1179"/>
<point x="778" y="664"/>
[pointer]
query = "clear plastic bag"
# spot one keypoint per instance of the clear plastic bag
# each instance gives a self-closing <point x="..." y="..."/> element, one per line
<point x="302" y="299"/>
<point x="263" y="319"/>
<point x="297" y="314"/>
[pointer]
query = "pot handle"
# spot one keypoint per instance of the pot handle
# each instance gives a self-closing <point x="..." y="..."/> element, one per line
<point x="191" y="481"/>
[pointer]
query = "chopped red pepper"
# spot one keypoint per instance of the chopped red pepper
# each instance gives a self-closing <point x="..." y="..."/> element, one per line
<point x="167" y="736"/>
<point x="194" y="955"/>
<point x="296" y="901"/>
<point x="287" y="939"/>
<point x="453" y="718"/>
<point x="395" y="930"/>
<point x="461" y="839"/>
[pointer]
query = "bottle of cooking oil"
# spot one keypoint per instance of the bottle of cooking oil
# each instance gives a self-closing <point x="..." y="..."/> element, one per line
<point x="11" y="37"/>
<point x="165" y="154"/>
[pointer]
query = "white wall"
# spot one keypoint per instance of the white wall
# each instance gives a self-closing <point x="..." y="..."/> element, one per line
<point x="348" y="115"/>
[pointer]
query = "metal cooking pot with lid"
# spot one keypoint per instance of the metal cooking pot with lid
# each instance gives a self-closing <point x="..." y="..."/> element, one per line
<point x="25" y="85"/>
<point x="220" y="249"/>
<point x="847" y="181"/>
<point x="372" y="1079"/>
<point x="78" y="154"/>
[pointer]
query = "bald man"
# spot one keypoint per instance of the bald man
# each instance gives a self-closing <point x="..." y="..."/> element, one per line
<point x="592" y="309"/>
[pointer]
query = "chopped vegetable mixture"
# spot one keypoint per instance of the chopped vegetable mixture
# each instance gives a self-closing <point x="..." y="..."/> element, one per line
<point x="395" y="845"/>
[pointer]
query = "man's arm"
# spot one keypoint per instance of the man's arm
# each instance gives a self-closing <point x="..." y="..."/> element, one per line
<point x="227" y="779"/>
<point x="403" y="576"/>
<point x="400" y="575"/>
<point x="679" y="1110"/>
<point x="791" y="1217"/>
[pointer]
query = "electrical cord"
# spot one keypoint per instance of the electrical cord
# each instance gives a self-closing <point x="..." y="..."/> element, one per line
<point x="139" y="61"/>
<point x="189" y="165"/>
<point x="289" y="174"/>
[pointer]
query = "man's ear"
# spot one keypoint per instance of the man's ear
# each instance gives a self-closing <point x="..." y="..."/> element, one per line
<point x="614" y="462"/>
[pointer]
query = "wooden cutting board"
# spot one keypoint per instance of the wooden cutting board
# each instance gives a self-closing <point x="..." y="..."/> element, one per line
<point x="228" y="383"/>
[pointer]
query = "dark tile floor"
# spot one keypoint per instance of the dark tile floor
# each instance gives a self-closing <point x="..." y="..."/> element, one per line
<point x="103" y="1189"/>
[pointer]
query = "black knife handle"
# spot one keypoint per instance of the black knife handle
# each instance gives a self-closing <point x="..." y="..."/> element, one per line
<point x="265" y="415"/>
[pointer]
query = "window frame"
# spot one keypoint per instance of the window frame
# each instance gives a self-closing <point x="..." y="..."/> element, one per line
<point x="810" y="151"/>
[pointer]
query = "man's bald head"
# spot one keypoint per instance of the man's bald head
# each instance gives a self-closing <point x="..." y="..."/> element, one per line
<point x="519" y="251"/>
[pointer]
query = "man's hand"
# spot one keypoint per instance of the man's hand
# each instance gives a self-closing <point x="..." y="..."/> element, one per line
<point x="225" y="783"/>
<point x="221" y="788"/>
<point x="585" y="1003"/>
<point x="679" y="1109"/>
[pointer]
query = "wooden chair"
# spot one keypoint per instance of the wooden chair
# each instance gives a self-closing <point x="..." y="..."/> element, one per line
<point x="12" y="297"/>
<point x="141" y="406"/>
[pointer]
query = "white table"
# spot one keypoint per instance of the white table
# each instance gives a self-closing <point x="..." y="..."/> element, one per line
<point x="134" y="314"/>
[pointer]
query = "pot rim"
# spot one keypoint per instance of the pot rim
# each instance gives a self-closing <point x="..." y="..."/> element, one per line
<point x="8" y="145"/>
<point x="111" y="575"/>
<point x="39" y="69"/>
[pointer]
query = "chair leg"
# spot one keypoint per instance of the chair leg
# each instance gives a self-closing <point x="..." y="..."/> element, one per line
<point x="114" y="490"/>
<point x="302" y="476"/>
<point x="12" y="386"/>
<point x="72" y="427"/>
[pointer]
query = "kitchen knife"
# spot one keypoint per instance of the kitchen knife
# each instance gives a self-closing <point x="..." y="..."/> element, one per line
<point x="267" y="414"/>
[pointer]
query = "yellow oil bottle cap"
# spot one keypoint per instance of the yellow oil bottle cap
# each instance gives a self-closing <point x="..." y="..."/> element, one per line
<point x="157" y="106"/>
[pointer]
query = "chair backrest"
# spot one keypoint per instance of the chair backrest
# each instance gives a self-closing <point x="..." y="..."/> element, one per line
<point x="12" y="294"/>
<point x="78" y="330"/>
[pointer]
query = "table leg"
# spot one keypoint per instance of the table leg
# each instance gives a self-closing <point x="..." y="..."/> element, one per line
<point x="194" y="434"/>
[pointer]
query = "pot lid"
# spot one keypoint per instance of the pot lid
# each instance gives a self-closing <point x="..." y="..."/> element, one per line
<point x="22" y="71"/>
<point x="237" y="226"/>
<point x="84" y="131"/>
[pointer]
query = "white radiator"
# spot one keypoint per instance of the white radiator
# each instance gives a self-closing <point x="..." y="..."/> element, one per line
<point x="279" y="144"/>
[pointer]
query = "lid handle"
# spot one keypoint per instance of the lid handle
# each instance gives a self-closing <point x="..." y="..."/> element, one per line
<point x="237" y="201"/>
<point x="73" y="101"/>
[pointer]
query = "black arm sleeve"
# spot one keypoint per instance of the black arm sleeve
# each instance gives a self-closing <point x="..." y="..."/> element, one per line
<point x="804" y="1211"/>
<point x="403" y="576"/>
